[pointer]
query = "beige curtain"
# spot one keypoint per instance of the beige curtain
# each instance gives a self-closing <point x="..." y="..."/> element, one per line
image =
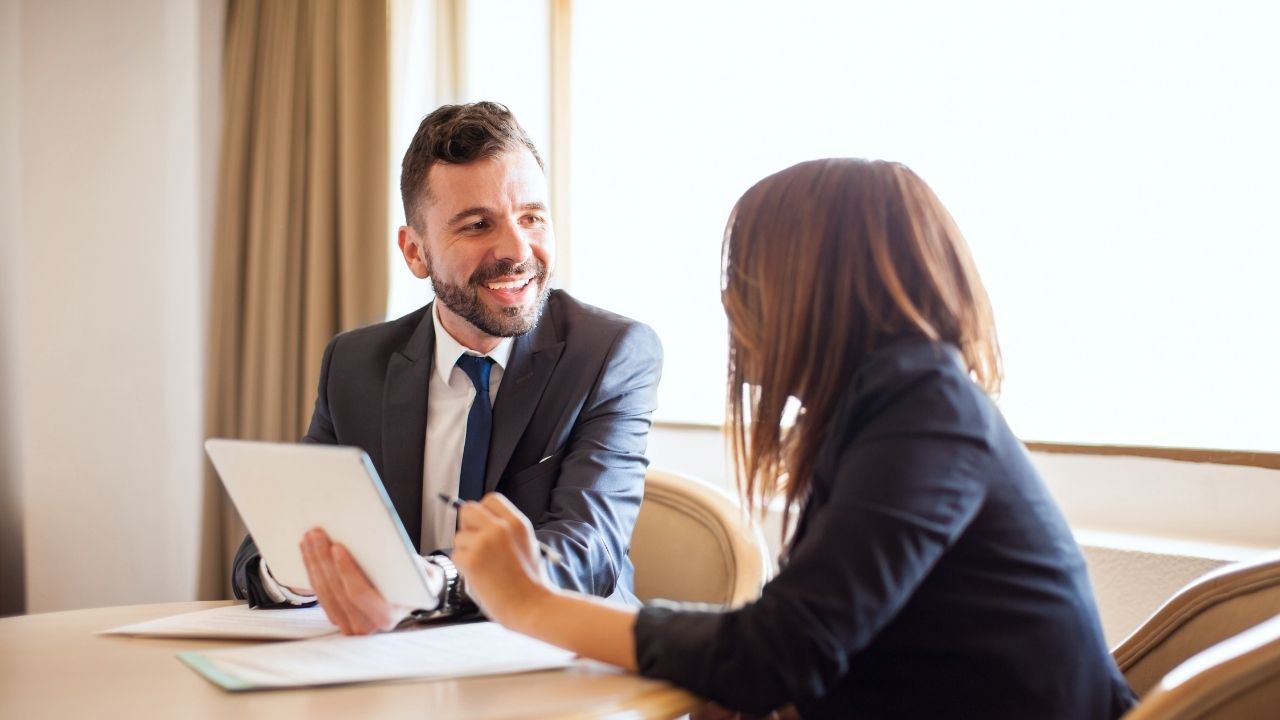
<point x="301" y="230"/>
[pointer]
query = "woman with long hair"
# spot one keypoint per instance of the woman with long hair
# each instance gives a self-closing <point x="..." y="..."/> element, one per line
<point x="929" y="573"/>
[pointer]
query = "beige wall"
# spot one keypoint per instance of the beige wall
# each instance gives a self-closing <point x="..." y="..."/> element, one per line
<point x="117" y="115"/>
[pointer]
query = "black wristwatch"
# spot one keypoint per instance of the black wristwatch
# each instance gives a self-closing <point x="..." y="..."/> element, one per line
<point x="451" y="593"/>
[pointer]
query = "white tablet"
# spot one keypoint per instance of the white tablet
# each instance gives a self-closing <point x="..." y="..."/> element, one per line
<point x="282" y="490"/>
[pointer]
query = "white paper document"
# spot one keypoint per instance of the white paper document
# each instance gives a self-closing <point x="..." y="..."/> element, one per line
<point x="436" y="653"/>
<point x="236" y="622"/>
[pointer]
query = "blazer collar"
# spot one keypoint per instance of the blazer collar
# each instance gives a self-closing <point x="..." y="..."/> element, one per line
<point x="404" y="419"/>
<point x="533" y="358"/>
<point x="422" y="343"/>
<point x="404" y="423"/>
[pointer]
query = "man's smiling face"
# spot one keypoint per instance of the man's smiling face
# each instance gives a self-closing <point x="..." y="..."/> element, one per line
<point x="487" y="244"/>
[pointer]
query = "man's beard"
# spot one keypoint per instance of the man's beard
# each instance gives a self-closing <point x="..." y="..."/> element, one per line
<point x="464" y="300"/>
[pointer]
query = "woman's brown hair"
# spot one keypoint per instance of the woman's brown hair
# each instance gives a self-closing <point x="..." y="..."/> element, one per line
<point x="825" y="262"/>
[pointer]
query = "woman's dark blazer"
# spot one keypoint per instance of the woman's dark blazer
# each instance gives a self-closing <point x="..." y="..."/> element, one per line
<point x="930" y="575"/>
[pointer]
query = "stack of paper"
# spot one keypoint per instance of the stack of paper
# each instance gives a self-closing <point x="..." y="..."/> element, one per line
<point x="432" y="653"/>
<point x="236" y="622"/>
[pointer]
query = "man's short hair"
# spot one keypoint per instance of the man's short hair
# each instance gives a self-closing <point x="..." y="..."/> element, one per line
<point x="457" y="134"/>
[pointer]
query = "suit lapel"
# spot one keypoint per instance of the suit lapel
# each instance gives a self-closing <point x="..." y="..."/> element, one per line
<point x="533" y="358"/>
<point x="404" y="424"/>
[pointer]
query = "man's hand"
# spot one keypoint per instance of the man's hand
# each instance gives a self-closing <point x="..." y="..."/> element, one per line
<point x="343" y="590"/>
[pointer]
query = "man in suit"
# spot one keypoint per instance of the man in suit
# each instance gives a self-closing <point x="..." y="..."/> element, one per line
<point x="500" y="385"/>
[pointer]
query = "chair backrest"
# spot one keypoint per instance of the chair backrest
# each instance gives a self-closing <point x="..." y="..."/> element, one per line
<point x="1237" y="679"/>
<point x="693" y="542"/>
<point x="1211" y="609"/>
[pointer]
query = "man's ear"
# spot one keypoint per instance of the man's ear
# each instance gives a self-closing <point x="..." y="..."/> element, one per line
<point x="411" y="246"/>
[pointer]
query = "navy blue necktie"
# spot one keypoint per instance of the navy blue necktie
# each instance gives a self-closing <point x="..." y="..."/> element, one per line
<point x="475" y="450"/>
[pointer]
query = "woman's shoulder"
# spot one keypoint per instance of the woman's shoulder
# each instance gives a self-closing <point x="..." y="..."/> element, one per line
<point x="909" y="405"/>
<point x="918" y="387"/>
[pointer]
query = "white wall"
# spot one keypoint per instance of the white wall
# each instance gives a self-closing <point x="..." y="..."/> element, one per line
<point x="12" y="587"/>
<point x="118" y="117"/>
<point x="1147" y="526"/>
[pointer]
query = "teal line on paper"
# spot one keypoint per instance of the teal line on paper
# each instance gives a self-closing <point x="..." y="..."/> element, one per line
<point x="201" y="664"/>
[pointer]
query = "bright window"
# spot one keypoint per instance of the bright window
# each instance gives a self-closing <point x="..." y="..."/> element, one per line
<point x="1112" y="164"/>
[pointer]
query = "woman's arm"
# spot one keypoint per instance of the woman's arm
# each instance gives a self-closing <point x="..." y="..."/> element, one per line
<point x="585" y="624"/>
<point x="894" y="508"/>
<point x="497" y="553"/>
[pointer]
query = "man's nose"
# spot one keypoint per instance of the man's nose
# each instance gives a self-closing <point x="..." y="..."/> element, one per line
<point x="512" y="244"/>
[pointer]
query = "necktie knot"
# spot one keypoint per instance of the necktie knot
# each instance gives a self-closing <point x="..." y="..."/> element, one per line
<point x="477" y="368"/>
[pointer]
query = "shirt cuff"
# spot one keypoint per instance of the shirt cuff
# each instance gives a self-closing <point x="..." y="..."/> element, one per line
<point x="277" y="592"/>
<point x="281" y="594"/>
<point x="435" y="582"/>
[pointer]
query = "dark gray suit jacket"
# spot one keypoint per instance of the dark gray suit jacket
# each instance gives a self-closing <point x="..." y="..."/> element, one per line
<point x="579" y="390"/>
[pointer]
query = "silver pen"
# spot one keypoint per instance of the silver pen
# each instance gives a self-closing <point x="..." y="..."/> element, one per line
<point x="548" y="552"/>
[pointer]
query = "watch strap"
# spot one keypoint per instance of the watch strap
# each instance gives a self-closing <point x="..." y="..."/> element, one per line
<point x="451" y="594"/>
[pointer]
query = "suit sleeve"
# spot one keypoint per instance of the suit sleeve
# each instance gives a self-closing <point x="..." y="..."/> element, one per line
<point x="596" y="499"/>
<point x="321" y="428"/>
<point x="246" y="583"/>
<point x="896" y="506"/>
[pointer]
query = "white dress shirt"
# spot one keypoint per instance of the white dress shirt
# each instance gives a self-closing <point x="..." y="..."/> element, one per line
<point x="449" y="397"/>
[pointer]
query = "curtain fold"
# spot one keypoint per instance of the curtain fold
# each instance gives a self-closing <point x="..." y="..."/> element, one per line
<point x="301" y="226"/>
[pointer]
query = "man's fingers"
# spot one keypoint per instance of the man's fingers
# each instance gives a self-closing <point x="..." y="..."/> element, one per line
<point x="314" y="573"/>
<point x="363" y="598"/>
<point x="348" y="598"/>
<point x="357" y="617"/>
<point x="320" y="585"/>
<point x="315" y="553"/>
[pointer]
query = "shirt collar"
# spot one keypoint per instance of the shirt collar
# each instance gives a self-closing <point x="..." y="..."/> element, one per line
<point x="448" y="349"/>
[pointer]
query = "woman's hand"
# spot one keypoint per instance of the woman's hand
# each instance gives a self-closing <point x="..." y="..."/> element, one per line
<point x="497" y="554"/>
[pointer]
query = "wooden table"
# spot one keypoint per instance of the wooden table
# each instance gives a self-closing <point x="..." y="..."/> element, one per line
<point x="54" y="666"/>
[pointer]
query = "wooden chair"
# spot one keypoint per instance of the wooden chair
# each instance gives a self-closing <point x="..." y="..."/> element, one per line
<point x="1215" y="607"/>
<point x="692" y="542"/>
<point x="1237" y="679"/>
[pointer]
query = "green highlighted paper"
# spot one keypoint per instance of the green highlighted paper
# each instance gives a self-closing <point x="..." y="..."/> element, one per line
<point x="436" y="653"/>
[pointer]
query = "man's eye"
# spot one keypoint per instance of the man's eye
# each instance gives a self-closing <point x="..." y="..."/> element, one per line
<point x="534" y="220"/>
<point x="477" y="225"/>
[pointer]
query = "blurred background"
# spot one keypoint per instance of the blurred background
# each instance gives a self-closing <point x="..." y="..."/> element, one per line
<point x="194" y="196"/>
